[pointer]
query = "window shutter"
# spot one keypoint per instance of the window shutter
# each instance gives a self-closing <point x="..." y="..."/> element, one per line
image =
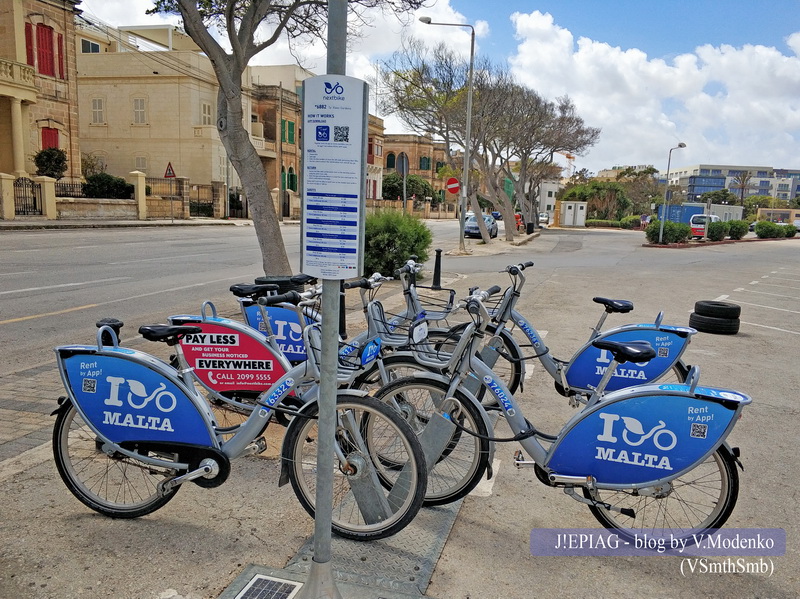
<point x="49" y="138"/>
<point x="44" y="50"/>
<point x="29" y="43"/>
<point x="283" y="130"/>
<point x="291" y="132"/>
<point x="60" y="56"/>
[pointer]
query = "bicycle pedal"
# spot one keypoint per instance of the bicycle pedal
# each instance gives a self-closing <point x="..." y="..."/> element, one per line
<point x="257" y="446"/>
<point x="520" y="461"/>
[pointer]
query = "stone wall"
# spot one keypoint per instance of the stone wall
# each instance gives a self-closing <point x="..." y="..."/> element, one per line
<point x="89" y="208"/>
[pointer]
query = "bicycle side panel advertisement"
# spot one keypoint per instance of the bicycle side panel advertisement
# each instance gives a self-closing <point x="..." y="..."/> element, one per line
<point x="285" y="325"/>
<point x="127" y="401"/>
<point x="643" y="439"/>
<point x="590" y="363"/>
<point x="227" y="359"/>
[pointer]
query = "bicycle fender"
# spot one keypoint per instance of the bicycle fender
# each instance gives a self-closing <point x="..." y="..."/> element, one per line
<point x="472" y="399"/>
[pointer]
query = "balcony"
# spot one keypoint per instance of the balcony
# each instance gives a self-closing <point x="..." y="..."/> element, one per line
<point x="19" y="77"/>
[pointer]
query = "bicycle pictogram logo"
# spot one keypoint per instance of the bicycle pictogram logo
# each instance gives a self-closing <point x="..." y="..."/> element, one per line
<point x="334" y="88"/>
<point x="634" y="434"/>
<point x="138" y="397"/>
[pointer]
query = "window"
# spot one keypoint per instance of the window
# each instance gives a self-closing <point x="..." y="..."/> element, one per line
<point x="424" y="163"/>
<point x="287" y="131"/>
<point x="98" y="111"/>
<point x="292" y="181"/>
<point x="45" y="54"/>
<point x="205" y="117"/>
<point x="140" y="163"/>
<point x="139" y="111"/>
<point x="88" y="47"/>
<point x="49" y="138"/>
<point x="390" y="160"/>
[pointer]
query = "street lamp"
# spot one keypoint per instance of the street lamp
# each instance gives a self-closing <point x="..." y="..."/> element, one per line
<point x="468" y="133"/>
<point x="666" y="194"/>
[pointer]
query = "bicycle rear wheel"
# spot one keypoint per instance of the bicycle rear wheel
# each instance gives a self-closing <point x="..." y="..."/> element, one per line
<point x="700" y="500"/>
<point x="114" y="485"/>
<point x="507" y="363"/>
<point x="465" y="457"/>
<point x="364" y="507"/>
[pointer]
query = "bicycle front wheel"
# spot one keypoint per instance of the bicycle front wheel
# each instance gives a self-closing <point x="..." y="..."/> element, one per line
<point x="114" y="485"/>
<point x="365" y="506"/>
<point x="700" y="500"/>
<point x="464" y="459"/>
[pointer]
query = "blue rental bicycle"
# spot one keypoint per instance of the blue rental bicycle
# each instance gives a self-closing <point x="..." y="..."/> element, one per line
<point x="133" y="429"/>
<point x="644" y="458"/>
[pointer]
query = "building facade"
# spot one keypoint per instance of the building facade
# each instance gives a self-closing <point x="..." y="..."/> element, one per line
<point x="425" y="157"/>
<point x="38" y="87"/>
<point x="759" y="180"/>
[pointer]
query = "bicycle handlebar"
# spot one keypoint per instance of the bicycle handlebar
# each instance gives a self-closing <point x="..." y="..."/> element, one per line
<point x="290" y="297"/>
<point x="367" y="282"/>
<point x="516" y="269"/>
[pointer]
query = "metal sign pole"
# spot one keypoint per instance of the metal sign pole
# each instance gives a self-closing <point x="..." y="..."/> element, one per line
<point x="332" y="244"/>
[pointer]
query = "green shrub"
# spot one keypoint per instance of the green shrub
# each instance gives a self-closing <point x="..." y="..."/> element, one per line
<point x="103" y="185"/>
<point x="390" y="238"/>
<point x="595" y="222"/>
<point x="768" y="230"/>
<point x="673" y="232"/>
<point x="630" y="222"/>
<point x="717" y="231"/>
<point x="789" y="231"/>
<point x="51" y="162"/>
<point x="738" y="228"/>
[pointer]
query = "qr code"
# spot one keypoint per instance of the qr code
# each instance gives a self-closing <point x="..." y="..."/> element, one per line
<point x="90" y="385"/>
<point x="663" y="352"/>
<point x="699" y="431"/>
<point x="341" y="133"/>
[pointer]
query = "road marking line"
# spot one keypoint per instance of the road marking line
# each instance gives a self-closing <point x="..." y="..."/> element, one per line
<point x="770" y="307"/>
<point x="722" y="298"/>
<point x="484" y="488"/>
<point x="159" y="258"/>
<point x="763" y="326"/>
<point x="33" y="316"/>
<point x="24" y="272"/>
<point x="64" y="285"/>
<point x="24" y="461"/>
<point x="778" y="285"/>
<point x="765" y="293"/>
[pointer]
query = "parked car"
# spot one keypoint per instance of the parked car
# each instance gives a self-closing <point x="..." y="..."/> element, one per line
<point x="698" y="223"/>
<point x="471" y="226"/>
<point x="544" y="218"/>
<point x="497" y="215"/>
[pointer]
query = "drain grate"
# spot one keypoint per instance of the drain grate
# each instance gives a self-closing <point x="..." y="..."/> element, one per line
<point x="267" y="587"/>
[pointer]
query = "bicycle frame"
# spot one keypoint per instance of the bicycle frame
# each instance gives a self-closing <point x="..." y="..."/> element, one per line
<point x="595" y="448"/>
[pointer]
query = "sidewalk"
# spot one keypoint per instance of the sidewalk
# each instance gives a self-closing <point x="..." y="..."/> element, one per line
<point x="200" y="545"/>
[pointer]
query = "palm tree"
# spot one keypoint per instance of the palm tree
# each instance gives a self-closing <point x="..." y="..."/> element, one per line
<point x="741" y="182"/>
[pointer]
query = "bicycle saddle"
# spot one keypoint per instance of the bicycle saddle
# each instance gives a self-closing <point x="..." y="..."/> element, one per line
<point x="167" y="332"/>
<point x="612" y="305"/>
<point x="253" y="291"/>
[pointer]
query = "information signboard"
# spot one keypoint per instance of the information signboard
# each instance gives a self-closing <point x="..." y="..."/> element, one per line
<point x="334" y="176"/>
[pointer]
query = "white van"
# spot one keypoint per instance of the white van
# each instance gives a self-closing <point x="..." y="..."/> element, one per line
<point x="698" y="223"/>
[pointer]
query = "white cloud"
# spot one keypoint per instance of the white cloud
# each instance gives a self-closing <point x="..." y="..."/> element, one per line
<point x="729" y="105"/>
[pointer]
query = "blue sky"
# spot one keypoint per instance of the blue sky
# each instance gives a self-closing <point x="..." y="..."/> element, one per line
<point x="721" y="76"/>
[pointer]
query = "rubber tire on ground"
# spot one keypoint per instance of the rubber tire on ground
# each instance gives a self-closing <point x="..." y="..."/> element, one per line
<point x="100" y="481"/>
<point x="711" y="324"/>
<point x="302" y="433"/>
<point x="674" y="514"/>
<point x="717" y="309"/>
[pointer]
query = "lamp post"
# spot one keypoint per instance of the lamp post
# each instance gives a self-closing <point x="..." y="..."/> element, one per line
<point x="468" y="133"/>
<point x="666" y="194"/>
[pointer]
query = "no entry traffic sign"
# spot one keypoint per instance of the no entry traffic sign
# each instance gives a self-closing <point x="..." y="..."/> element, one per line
<point x="453" y="185"/>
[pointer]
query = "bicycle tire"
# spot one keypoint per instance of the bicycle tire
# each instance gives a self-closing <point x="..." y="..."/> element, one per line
<point x="113" y="485"/>
<point x="397" y="366"/>
<point x="509" y="363"/>
<point x="693" y="496"/>
<point x="465" y="457"/>
<point x="717" y="309"/>
<point x="397" y="438"/>
<point x="714" y="325"/>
